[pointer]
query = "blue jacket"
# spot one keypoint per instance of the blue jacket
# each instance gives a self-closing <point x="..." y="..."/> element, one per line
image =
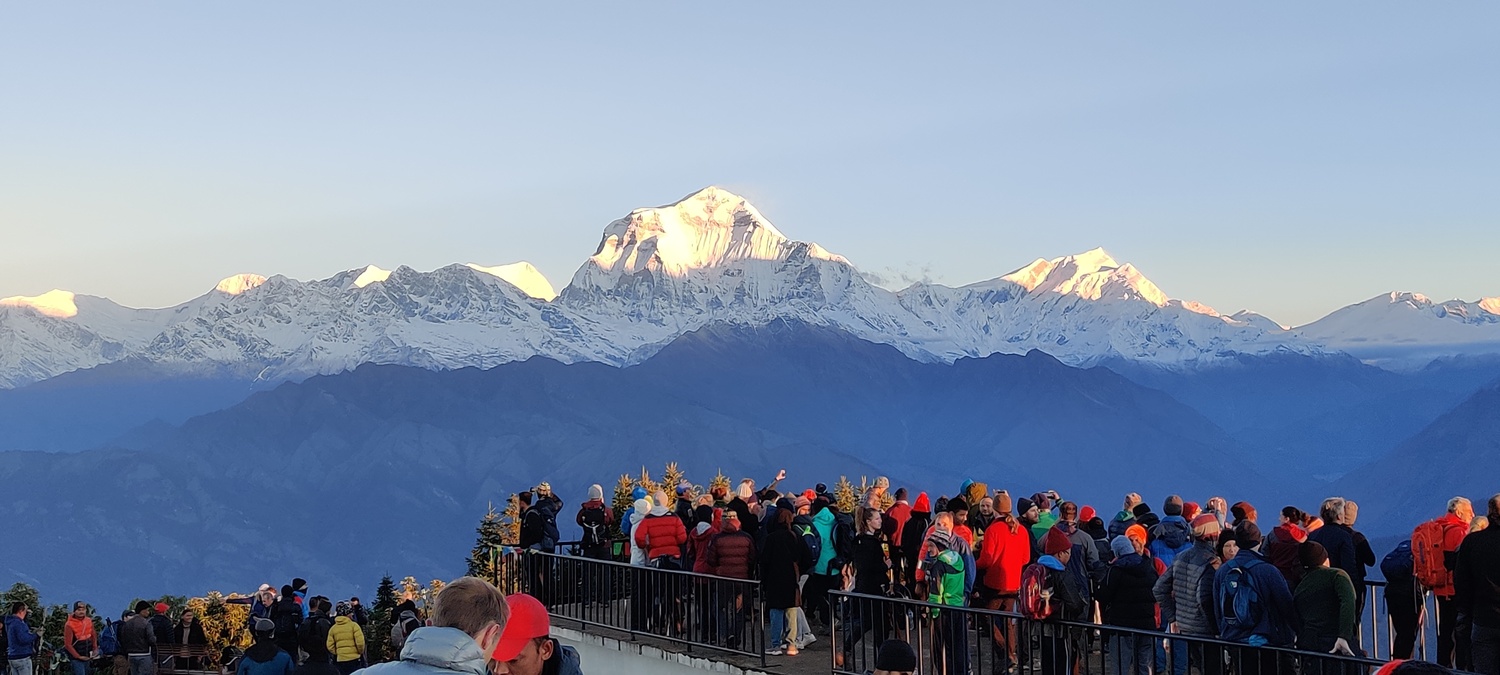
<point x="436" y="651"/>
<point x="280" y="664"/>
<point x="1277" y="624"/>
<point x="18" y="635"/>
<point x="1170" y="538"/>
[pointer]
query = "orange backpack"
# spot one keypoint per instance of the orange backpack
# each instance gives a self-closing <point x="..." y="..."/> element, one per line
<point x="1427" y="555"/>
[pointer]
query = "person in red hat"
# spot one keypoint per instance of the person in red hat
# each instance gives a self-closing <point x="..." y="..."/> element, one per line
<point x="527" y="646"/>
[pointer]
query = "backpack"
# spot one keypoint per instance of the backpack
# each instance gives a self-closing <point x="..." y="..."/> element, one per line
<point x="593" y="521"/>
<point x="1033" y="582"/>
<point x="812" y="544"/>
<point x="401" y="629"/>
<point x="1397" y="565"/>
<point x="109" y="639"/>
<point x="1242" y="606"/>
<point x="1427" y="555"/>
<point x="843" y="543"/>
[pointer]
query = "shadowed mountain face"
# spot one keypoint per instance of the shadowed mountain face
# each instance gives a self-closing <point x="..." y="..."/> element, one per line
<point x="1455" y="455"/>
<point x="342" y="478"/>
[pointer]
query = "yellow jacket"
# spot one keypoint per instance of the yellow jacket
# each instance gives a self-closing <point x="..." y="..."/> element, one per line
<point x="346" y="641"/>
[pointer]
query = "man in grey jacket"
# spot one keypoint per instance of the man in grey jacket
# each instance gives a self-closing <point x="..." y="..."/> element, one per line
<point x="466" y="625"/>
<point x="138" y="640"/>
<point x="1185" y="594"/>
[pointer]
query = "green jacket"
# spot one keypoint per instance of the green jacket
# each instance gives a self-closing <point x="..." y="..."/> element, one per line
<point x="1325" y="602"/>
<point x="945" y="580"/>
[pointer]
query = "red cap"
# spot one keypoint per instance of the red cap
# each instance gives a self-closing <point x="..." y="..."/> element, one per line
<point x="922" y="505"/>
<point x="1191" y="510"/>
<point x="161" y="608"/>
<point x="1086" y="514"/>
<point x="528" y="621"/>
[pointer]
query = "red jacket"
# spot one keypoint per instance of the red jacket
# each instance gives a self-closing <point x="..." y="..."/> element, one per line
<point x="697" y="547"/>
<point x="730" y="554"/>
<point x="1002" y="556"/>
<point x="895" y="522"/>
<point x="660" y="535"/>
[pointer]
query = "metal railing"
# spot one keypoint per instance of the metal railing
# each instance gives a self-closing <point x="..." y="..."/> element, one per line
<point x="695" y="610"/>
<point x="961" y="640"/>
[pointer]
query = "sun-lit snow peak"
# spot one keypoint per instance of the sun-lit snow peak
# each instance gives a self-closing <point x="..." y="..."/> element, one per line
<point x="1091" y="275"/>
<point x="1491" y="305"/>
<point x="239" y="283"/>
<point x="54" y="303"/>
<point x="371" y="275"/>
<point x="522" y="275"/>
<point x="708" y="228"/>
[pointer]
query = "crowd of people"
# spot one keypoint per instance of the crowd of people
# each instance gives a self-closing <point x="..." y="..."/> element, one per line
<point x="473" y="629"/>
<point x="1208" y="571"/>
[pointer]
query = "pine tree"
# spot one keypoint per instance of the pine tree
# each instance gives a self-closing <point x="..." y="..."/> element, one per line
<point x="52" y="625"/>
<point x="483" y="557"/>
<point x="622" y="504"/>
<point x="671" y="478"/>
<point x="844" y="495"/>
<point x="510" y="522"/>
<point x="20" y="592"/>
<point x="378" y="630"/>
<point x="645" y="482"/>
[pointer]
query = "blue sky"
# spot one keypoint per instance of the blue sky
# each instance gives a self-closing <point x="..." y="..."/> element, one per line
<point x="1288" y="158"/>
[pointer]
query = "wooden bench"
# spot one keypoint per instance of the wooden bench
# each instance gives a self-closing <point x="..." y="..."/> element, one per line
<point x="178" y="659"/>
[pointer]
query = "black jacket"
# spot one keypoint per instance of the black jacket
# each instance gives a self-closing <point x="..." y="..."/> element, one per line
<point x="136" y="636"/>
<point x="870" y="565"/>
<point x="312" y="637"/>
<point x="161" y="625"/>
<point x="1126" y="593"/>
<point x="1338" y="540"/>
<point x="1477" y="577"/>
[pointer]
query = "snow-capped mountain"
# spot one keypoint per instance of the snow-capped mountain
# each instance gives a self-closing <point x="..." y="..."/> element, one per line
<point x="658" y="273"/>
<point x="1409" y="330"/>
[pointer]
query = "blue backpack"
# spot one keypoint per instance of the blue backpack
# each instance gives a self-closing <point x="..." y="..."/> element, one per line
<point x="812" y="544"/>
<point x="109" y="639"/>
<point x="1242" y="605"/>
<point x="1397" y="565"/>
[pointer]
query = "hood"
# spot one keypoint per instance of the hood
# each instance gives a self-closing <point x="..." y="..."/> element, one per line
<point x="342" y="620"/>
<point x="445" y="648"/>
<point x="593" y="504"/>
<point x="824" y="517"/>
<point x="407" y="614"/>
<point x="703" y="530"/>
<point x="642" y="507"/>
<point x="922" y="504"/>
<point x="1128" y="560"/>
<point x="1051" y="563"/>
<point x="1290" y="533"/>
<point x="1124" y="516"/>
<point x="660" y="511"/>
<point x="1066" y="527"/>
<point x="1173" y="531"/>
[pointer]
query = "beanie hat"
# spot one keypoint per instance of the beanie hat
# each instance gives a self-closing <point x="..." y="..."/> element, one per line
<point x="596" y="492"/>
<point x="703" y="514"/>
<point x="957" y="504"/>
<point x="1086" y="514"/>
<point x="638" y="493"/>
<point x="900" y="493"/>
<point x="1190" y="511"/>
<point x="883" y="482"/>
<point x="1206" y="527"/>
<point x="942" y="539"/>
<point x="820" y="488"/>
<point x="1002" y="502"/>
<point x="746" y="490"/>
<point x="161" y="608"/>
<point x="683" y="487"/>
<point x="1140" y="509"/>
<point x="264" y="626"/>
<point x="1243" y="511"/>
<point x="809" y="494"/>
<point x="1136" y="533"/>
<point x="1173" y="507"/>
<point x="922" y="505"/>
<point x="1055" y="542"/>
<point x="896" y="656"/>
<point x="1121" y="546"/>
<point x="142" y="606"/>
<point x="1042" y="501"/>
<point x="343" y="609"/>
<point x="659" y="498"/>
<point x="1023" y="506"/>
<point x="801" y="503"/>
<point x="1312" y="554"/>
<point x="1247" y="534"/>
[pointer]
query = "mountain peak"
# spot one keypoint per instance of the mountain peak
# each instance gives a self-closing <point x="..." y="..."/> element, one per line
<point x="371" y="275"/>
<point x="55" y="303"/>
<point x="1491" y="305"/>
<point x="524" y="276"/>
<point x="708" y="228"/>
<point x="239" y="283"/>
<point x="1091" y="275"/>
